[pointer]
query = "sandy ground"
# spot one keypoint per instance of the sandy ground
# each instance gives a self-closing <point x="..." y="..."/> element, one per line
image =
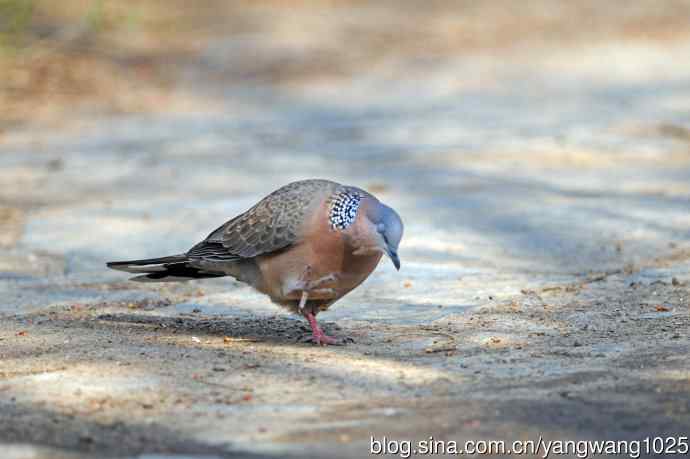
<point x="544" y="179"/>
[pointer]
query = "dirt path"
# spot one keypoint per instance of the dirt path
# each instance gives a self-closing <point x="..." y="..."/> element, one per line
<point x="545" y="187"/>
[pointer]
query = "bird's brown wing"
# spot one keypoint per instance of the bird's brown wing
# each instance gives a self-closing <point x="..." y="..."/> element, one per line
<point x="273" y="224"/>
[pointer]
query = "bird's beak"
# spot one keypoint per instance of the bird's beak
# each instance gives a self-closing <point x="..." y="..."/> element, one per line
<point x="394" y="258"/>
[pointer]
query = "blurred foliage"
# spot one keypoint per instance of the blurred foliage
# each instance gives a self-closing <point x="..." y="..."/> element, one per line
<point x="15" y="19"/>
<point x="105" y="56"/>
<point x="22" y="22"/>
<point x="95" y="18"/>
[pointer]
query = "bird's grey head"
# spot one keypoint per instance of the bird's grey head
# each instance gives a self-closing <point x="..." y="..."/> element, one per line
<point x="389" y="228"/>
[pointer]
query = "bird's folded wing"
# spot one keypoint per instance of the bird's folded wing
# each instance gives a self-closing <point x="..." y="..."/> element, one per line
<point x="273" y="224"/>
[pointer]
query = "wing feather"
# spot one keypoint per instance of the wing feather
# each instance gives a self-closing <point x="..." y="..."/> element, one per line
<point x="273" y="224"/>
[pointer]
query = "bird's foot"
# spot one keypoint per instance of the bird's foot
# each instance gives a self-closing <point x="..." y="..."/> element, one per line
<point x="306" y="282"/>
<point x="318" y="337"/>
<point x="321" y="339"/>
<point x="324" y="339"/>
<point x="320" y="282"/>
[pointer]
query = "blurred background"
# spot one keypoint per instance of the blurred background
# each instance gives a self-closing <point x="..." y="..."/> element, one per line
<point x="89" y="57"/>
<point x="549" y="136"/>
<point x="532" y="148"/>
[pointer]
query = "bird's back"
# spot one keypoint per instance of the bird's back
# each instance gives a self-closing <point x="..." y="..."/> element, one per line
<point x="273" y="224"/>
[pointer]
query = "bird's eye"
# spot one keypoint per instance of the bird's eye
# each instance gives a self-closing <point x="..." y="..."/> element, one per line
<point x="380" y="227"/>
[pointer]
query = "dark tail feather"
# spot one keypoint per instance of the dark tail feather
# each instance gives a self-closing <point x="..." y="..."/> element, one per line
<point x="164" y="269"/>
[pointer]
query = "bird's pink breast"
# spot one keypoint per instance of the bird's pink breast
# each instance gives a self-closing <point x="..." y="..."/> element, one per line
<point x="326" y="252"/>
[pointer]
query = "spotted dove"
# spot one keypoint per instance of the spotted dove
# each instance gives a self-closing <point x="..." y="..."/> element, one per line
<point x="305" y="245"/>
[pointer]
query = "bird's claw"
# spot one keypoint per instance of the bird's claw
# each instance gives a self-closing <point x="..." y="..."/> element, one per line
<point x="323" y="340"/>
<point x="317" y="334"/>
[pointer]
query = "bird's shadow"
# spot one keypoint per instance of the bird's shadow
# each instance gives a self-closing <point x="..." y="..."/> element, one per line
<point x="272" y="329"/>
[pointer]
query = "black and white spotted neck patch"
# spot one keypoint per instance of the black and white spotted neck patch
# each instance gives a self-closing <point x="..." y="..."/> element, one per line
<point x="344" y="206"/>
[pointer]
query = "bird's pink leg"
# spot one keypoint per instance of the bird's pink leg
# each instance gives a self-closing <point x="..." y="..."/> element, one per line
<point x="318" y="335"/>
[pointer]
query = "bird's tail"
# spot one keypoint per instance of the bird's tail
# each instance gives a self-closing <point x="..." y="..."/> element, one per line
<point x="164" y="269"/>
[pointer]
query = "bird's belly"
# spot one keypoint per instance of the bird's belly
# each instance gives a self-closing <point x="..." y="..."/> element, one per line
<point x="324" y="274"/>
<point x="355" y="271"/>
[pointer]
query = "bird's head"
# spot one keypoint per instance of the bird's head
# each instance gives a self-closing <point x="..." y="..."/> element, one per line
<point x="369" y="225"/>
<point x="389" y="230"/>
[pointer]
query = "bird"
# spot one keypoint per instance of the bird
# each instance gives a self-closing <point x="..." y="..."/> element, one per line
<point x="305" y="246"/>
